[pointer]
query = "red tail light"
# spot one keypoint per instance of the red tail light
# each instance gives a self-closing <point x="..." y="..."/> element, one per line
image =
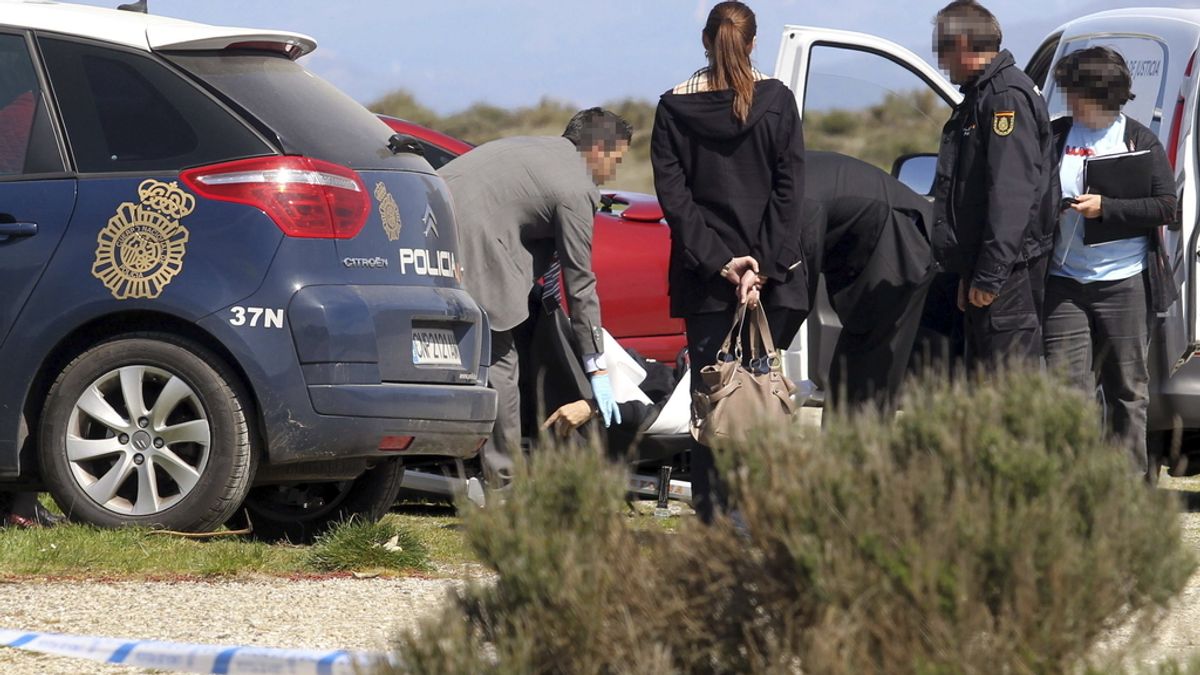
<point x="1176" y="128"/>
<point x="1177" y="118"/>
<point x="305" y="197"/>
<point x="292" y="51"/>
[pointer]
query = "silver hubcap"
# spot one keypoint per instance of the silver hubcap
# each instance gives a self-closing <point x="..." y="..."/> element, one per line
<point x="138" y="440"/>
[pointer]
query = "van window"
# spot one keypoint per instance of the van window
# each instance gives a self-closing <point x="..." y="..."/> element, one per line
<point x="127" y="112"/>
<point x="865" y="105"/>
<point x="1147" y="60"/>
<point x="27" y="143"/>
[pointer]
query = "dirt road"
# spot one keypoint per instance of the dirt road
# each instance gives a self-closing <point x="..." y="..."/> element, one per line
<point x="329" y="614"/>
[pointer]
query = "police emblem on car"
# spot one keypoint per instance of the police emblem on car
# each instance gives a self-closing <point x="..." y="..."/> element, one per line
<point x="1003" y="122"/>
<point x="141" y="249"/>
<point x="389" y="212"/>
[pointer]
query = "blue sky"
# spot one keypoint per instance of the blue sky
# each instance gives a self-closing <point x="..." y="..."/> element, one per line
<point x="451" y="53"/>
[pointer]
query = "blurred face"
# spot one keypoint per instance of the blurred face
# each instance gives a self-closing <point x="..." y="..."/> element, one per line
<point x="603" y="163"/>
<point x="1089" y="112"/>
<point x="958" y="61"/>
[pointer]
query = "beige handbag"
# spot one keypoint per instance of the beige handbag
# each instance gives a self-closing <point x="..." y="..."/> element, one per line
<point x="734" y="396"/>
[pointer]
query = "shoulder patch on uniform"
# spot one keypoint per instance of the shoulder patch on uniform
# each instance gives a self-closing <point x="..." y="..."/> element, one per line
<point x="1004" y="121"/>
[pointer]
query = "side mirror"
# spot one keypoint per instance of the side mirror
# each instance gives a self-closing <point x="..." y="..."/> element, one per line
<point x="916" y="171"/>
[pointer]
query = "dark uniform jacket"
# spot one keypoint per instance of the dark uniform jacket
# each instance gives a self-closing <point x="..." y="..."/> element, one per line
<point x="1125" y="218"/>
<point x="730" y="189"/>
<point x="996" y="192"/>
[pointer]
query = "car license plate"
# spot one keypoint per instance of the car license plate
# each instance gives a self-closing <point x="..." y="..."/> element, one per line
<point x="435" y="347"/>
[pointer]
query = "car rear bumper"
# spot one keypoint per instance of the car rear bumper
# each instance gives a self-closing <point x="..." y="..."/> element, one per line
<point x="436" y="403"/>
<point x="442" y="420"/>
<point x="352" y="420"/>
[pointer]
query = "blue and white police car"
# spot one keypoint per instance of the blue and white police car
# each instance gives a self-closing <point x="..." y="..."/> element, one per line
<point x="225" y="282"/>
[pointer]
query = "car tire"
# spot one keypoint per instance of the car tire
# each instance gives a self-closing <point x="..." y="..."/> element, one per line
<point x="183" y="462"/>
<point x="301" y="513"/>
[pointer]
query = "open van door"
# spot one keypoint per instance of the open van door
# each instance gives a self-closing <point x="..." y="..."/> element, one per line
<point x="866" y="97"/>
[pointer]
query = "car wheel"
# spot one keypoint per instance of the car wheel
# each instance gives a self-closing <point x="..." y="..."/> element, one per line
<point x="301" y="513"/>
<point x="147" y="430"/>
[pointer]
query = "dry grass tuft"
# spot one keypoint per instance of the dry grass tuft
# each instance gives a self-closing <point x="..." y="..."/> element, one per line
<point x="988" y="530"/>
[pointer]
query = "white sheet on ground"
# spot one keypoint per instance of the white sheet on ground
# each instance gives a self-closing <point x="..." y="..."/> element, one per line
<point x="676" y="414"/>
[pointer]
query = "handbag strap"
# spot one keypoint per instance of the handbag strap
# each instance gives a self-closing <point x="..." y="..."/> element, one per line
<point x="734" y="338"/>
<point x="764" y="329"/>
<point x="760" y="334"/>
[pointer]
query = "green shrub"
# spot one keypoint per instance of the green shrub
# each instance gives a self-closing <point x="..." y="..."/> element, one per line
<point x="360" y="546"/>
<point x="988" y="530"/>
<point x="401" y="103"/>
<point x="836" y="122"/>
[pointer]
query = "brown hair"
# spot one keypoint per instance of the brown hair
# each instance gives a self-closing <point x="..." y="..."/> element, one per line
<point x="969" y="19"/>
<point x="1098" y="74"/>
<point x="729" y="36"/>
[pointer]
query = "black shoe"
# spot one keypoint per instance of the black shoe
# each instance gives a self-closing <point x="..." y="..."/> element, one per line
<point x="36" y="517"/>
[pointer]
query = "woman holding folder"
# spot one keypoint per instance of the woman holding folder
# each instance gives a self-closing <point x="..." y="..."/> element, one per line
<point x="1109" y="274"/>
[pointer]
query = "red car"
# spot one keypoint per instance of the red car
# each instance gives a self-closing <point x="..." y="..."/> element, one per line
<point x="629" y="253"/>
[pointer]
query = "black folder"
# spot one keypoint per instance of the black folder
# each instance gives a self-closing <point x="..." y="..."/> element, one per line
<point x="1128" y="175"/>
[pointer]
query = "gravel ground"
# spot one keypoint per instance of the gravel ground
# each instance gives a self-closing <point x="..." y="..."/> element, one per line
<point x="308" y="614"/>
<point x="1177" y="638"/>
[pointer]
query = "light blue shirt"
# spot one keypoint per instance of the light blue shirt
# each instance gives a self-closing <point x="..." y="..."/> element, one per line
<point x="1112" y="261"/>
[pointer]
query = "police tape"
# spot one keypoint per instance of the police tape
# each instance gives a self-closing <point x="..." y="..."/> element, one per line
<point x="189" y="658"/>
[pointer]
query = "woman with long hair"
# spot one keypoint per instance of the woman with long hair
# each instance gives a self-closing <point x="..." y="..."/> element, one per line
<point x="728" y="157"/>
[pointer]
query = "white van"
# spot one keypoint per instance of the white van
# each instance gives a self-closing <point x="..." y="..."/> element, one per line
<point x="871" y="98"/>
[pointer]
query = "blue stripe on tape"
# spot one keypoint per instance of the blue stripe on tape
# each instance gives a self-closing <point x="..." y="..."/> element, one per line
<point x="221" y="664"/>
<point x="325" y="665"/>
<point x="122" y="652"/>
<point x="23" y="640"/>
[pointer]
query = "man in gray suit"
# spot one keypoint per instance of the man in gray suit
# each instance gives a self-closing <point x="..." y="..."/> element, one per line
<point x="523" y="205"/>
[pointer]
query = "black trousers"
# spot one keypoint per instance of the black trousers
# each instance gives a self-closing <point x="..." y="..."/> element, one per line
<point x="705" y="333"/>
<point x="880" y="307"/>
<point x="1009" y="331"/>
<point x="869" y="366"/>
<point x="1098" y="334"/>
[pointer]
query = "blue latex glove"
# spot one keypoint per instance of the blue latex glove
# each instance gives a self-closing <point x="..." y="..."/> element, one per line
<point x="605" y="401"/>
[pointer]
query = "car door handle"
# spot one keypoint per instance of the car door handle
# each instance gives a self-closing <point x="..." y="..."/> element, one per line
<point x="13" y="230"/>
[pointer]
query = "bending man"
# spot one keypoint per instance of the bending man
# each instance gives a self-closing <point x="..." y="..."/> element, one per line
<point x="524" y="207"/>
<point x="877" y="262"/>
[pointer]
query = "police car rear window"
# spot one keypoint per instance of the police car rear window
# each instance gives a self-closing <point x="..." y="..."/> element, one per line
<point x="309" y="116"/>
<point x="128" y="112"/>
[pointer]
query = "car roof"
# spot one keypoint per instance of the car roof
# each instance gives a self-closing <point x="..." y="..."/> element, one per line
<point x="141" y="31"/>
<point x="1191" y="16"/>
<point x="1149" y="12"/>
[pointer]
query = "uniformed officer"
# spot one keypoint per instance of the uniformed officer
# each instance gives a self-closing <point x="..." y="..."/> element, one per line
<point x="995" y="203"/>
<point x="524" y="208"/>
<point x="878" y="264"/>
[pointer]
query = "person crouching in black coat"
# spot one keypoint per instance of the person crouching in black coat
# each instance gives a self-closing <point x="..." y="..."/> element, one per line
<point x="878" y="265"/>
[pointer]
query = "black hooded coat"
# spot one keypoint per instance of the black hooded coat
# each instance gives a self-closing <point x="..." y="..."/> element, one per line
<point x="730" y="189"/>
